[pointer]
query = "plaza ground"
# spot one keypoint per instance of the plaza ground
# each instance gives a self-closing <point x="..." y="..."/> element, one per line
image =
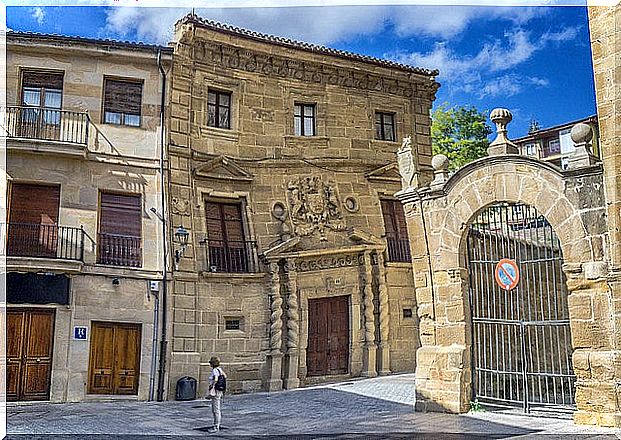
<point x="361" y="409"/>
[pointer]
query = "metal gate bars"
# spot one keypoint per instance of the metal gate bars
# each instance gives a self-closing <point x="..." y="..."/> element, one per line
<point x="521" y="346"/>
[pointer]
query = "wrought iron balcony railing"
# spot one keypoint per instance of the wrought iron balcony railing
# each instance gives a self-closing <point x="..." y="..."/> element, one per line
<point x="119" y="250"/>
<point x="45" y="124"/>
<point x="231" y="256"/>
<point x="398" y="249"/>
<point x="44" y="241"/>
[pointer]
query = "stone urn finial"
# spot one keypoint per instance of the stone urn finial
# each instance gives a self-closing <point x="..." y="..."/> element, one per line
<point x="440" y="164"/>
<point x="582" y="155"/>
<point x="501" y="145"/>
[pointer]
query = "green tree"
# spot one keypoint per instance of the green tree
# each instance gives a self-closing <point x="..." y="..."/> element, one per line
<point x="460" y="133"/>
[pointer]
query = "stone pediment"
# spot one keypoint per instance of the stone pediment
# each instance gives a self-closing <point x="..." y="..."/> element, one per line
<point x="387" y="173"/>
<point x="353" y="241"/>
<point x="222" y="168"/>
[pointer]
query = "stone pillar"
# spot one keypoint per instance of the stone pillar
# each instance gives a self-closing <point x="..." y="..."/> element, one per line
<point x="582" y="157"/>
<point x="384" y="318"/>
<point x="501" y="145"/>
<point x="275" y="356"/>
<point x="369" y="356"/>
<point x="293" y="327"/>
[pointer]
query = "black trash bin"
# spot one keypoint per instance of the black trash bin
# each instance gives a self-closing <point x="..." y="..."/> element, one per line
<point x="186" y="388"/>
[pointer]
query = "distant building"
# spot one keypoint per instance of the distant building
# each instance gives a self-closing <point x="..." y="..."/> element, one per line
<point x="554" y="144"/>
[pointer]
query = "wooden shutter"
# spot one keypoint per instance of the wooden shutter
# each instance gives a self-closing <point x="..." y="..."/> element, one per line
<point x="394" y="219"/>
<point x="122" y="97"/>
<point x="41" y="79"/>
<point x="121" y="214"/>
<point x="224" y="223"/>
<point x="34" y="204"/>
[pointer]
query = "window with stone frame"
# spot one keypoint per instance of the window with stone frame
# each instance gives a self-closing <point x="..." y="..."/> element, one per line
<point x="385" y="126"/>
<point x="304" y="119"/>
<point x="396" y="231"/>
<point x="122" y="102"/>
<point x="219" y="109"/>
<point x="227" y="248"/>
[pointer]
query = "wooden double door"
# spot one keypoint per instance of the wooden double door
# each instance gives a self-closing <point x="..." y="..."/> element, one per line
<point x="328" y="336"/>
<point x="115" y="358"/>
<point x="30" y="341"/>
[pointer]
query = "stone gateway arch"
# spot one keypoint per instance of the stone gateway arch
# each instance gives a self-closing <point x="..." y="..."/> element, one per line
<point x="503" y="188"/>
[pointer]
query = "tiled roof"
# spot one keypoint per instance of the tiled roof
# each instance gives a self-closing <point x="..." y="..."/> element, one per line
<point x="193" y="18"/>
<point x="99" y="42"/>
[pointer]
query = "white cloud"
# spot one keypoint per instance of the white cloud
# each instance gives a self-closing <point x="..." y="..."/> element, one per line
<point x="38" y="14"/>
<point x="508" y="85"/>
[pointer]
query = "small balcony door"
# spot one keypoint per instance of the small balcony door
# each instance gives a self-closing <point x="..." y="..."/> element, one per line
<point x="120" y="229"/>
<point x="42" y="101"/>
<point x="33" y="220"/>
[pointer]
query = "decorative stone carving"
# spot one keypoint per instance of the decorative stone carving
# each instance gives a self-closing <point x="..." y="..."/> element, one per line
<point x="293" y="318"/>
<point x="440" y="164"/>
<point x="501" y="145"/>
<point x="582" y="156"/>
<point x="275" y="309"/>
<point x="329" y="263"/>
<point x="232" y="58"/>
<point x="314" y="207"/>
<point x="369" y="309"/>
<point x="408" y="164"/>
<point x="384" y="317"/>
<point x="180" y="206"/>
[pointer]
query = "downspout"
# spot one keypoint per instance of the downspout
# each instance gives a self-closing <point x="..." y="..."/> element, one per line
<point x="154" y="345"/>
<point x="163" y="340"/>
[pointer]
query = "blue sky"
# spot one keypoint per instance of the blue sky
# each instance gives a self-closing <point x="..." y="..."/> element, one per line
<point x="535" y="61"/>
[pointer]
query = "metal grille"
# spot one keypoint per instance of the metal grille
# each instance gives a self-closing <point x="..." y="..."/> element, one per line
<point x="521" y="337"/>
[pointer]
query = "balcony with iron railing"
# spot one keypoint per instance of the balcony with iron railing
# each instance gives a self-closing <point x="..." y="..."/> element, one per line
<point x="398" y="249"/>
<point x="119" y="250"/>
<point x="230" y="256"/>
<point x="43" y="241"/>
<point x="47" y="124"/>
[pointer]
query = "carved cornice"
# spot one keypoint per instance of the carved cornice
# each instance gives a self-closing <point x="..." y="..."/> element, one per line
<point x="328" y="262"/>
<point x="232" y="57"/>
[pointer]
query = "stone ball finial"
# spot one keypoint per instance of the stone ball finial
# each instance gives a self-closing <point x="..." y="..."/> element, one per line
<point x="501" y="116"/>
<point x="581" y="133"/>
<point x="439" y="162"/>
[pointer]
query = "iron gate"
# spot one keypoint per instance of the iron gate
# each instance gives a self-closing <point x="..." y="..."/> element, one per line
<point x="521" y="347"/>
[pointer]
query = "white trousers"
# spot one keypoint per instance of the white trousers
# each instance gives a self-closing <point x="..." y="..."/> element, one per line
<point x="215" y="408"/>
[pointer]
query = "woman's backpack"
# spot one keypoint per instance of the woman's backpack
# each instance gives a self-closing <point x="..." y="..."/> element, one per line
<point x="220" y="382"/>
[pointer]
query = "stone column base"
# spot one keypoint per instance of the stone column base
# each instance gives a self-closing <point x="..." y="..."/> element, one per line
<point x="384" y="360"/>
<point x="274" y="382"/>
<point x="369" y="359"/>
<point x="292" y="380"/>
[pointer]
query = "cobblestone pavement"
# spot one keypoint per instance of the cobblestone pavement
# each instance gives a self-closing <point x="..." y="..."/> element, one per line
<point x="379" y="408"/>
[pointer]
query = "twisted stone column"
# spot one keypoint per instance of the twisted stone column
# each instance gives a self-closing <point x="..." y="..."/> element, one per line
<point x="293" y="326"/>
<point x="276" y="355"/>
<point x="370" y="349"/>
<point x="384" y="317"/>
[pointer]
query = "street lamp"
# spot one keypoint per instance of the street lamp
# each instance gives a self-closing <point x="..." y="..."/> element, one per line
<point x="181" y="237"/>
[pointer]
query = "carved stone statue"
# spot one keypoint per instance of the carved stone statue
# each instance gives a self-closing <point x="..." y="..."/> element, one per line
<point x="408" y="164"/>
<point x="314" y="207"/>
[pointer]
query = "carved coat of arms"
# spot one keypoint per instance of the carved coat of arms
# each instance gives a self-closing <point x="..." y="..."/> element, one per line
<point x="314" y="207"/>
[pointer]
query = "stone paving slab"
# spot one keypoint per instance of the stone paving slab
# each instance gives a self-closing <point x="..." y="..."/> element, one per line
<point x="379" y="408"/>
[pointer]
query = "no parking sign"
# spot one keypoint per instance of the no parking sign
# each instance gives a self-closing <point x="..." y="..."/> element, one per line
<point x="507" y="274"/>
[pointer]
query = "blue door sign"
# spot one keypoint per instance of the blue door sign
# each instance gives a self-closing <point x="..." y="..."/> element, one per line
<point x="80" y="333"/>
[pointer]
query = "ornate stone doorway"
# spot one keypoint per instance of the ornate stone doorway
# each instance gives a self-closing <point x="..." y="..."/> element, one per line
<point x="521" y="350"/>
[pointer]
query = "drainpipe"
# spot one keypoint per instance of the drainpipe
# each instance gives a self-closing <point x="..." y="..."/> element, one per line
<point x="163" y="341"/>
<point x="154" y="346"/>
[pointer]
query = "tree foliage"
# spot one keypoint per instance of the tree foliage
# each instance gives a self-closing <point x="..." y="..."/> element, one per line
<point x="460" y="133"/>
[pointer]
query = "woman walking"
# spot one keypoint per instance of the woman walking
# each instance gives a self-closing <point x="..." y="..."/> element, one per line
<point x="217" y="387"/>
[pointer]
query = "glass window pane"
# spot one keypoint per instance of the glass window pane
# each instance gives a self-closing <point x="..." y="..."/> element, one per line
<point x="32" y="97"/>
<point x="389" y="132"/>
<point x="378" y="117"/>
<point x="112" y="118"/>
<point x="225" y="99"/>
<point x="309" y="110"/>
<point x="53" y="98"/>
<point x="387" y="119"/>
<point x="378" y="131"/>
<point x="308" y="127"/>
<point x="132" y="120"/>
<point x="298" y="126"/>
<point x="224" y="118"/>
<point x="211" y="115"/>
<point x="297" y="110"/>
<point x="51" y="117"/>
<point x="211" y="97"/>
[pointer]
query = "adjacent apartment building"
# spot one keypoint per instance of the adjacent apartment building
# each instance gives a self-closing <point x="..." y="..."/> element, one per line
<point x="554" y="144"/>
<point x="83" y="128"/>
<point x="282" y="154"/>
